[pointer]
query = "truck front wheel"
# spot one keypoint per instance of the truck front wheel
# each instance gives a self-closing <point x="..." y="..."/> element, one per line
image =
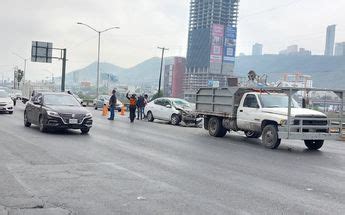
<point x="313" y="144"/>
<point x="215" y="127"/>
<point x="270" y="137"/>
<point x="252" y="134"/>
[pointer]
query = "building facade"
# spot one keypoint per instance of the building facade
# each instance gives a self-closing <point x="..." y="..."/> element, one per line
<point x="211" y="43"/>
<point x="330" y="39"/>
<point x="257" y="49"/>
<point x="174" y="77"/>
<point x="339" y="49"/>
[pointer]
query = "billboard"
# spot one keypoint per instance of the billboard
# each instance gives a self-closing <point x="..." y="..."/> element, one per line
<point x="41" y="52"/>
<point x="217" y="39"/>
<point x="230" y="44"/>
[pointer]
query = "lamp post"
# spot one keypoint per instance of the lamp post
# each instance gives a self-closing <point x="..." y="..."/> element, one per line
<point x="25" y="60"/>
<point x="99" y="49"/>
<point x="161" y="69"/>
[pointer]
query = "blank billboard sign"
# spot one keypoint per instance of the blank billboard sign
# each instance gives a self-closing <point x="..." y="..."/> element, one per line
<point x="41" y="52"/>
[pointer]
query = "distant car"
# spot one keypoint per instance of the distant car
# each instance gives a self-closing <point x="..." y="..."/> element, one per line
<point x="172" y="110"/>
<point x="57" y="111"/>
<point x="104" y="99"/>
<point x="6" y="102"/>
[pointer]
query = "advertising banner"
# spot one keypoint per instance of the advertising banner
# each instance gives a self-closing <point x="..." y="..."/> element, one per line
<point x="217" y="43"/>
<point x="230" y="44"/>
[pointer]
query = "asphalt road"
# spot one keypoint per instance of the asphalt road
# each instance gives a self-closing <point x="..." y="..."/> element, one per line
<point x="156" y="168"/>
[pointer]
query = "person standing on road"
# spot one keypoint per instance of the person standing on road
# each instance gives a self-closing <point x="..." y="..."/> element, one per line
<point x="146" y="100"/>
<point x="132" y="106"/>
<point x="140" y="107"/>
<point x="112" y="104"/>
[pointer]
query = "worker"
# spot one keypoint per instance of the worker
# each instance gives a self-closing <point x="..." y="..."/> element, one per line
<point x="112" y="104"/>
<point x="132" y="106"/>
<point x="140" y="107"/>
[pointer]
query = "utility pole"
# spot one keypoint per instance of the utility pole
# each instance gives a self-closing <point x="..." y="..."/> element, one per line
<point x="63" y="77"/>
<point x="160" y="73"/>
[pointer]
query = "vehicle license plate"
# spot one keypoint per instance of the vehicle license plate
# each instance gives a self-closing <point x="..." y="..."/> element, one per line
<point x="73" y="121"/>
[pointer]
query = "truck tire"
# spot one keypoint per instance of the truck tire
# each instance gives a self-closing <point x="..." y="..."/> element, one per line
<point x="252" y="134"/>
<point x="215" y="127"/>
<point x="270" y="137"/>
<point x="313" y="144"/>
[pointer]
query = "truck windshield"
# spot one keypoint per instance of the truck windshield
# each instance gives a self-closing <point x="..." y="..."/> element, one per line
<point x="277" y="101"/>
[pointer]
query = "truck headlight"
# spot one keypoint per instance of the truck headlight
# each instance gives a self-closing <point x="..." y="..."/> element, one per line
<point x="283" y="122"/>
<point x="53" y="113"/>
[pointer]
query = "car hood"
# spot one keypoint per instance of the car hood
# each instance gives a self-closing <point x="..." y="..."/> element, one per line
<point x="68" y="109"/>
<point x="301" y="112"/>
<point x="5" y="100"/>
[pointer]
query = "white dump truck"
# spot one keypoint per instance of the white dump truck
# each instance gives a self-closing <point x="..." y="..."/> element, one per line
<point x="268" y="112"/>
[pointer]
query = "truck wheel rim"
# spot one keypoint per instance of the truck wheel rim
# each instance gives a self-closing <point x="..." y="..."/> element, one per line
<point x="269" y="137"/>
<point x="212" y="126"/>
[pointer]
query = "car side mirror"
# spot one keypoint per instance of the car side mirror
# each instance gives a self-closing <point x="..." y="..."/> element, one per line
<point x="168" y="106"/>
<point x="37" y="102"/>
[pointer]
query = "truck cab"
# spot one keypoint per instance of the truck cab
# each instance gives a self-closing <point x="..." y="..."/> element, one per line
<point x="272" y="114"/>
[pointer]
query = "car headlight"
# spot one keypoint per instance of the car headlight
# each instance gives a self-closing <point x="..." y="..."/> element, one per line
<point x="53" y="113"/>
<point x="88" y="115"/>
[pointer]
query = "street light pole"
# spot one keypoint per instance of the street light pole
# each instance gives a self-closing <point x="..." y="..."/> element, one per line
<point x="160" y="73"/>
<point x="99" y="50"/>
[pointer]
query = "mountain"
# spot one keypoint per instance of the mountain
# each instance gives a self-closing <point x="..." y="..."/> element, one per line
<point x="146" y="72"/>
<point x="328" y="72"/>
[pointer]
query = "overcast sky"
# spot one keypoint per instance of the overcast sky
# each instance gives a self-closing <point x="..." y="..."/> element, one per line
<point x="146" y="24"/>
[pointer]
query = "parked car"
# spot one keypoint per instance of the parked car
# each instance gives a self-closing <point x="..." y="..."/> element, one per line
<point x="173" y="110"/>
<point x="104" y="99"/>
<point x="57" y="111"/>
<point x="6" y="102"/>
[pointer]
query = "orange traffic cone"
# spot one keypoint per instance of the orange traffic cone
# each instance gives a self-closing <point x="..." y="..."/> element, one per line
<point x="123" y="110"/>
<point x="105" y="110"/>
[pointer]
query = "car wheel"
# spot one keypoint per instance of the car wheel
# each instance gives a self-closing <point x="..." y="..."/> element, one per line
<point x="26" y="121"/>
<point x="41" y="125"/>
<point x="313" y="144"/>
<point x="10" y="112"/>
<point x="175" y="119"/>
<point x="270" y="137"/>
<point x="85" y="130"/>
<point x="150" y="116"/>
<point x="252" y="134"/>
<point x="215" y="127"/>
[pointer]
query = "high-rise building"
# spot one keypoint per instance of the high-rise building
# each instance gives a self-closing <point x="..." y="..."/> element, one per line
<point x="211" y="43"/>
<point x="330" y="39"/>
<point x="173" y="77"/>
<point x="257" y="49"/>
<point x="339" y="49"/>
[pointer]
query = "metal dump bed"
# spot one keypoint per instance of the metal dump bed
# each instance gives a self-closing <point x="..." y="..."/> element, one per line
<point x="218" y="101"/>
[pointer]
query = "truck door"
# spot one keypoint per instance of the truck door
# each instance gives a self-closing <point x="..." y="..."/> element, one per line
<point x="248" y="114"/>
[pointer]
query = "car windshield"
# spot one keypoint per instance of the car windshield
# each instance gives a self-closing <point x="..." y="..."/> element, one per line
<point x="60" y="100"/>
<point x="181" y="103"/>
<point x="3" y="94"/>
<point x="277" y="101"/>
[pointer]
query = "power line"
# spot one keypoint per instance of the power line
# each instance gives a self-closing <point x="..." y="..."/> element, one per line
<point x="271" y="9"/>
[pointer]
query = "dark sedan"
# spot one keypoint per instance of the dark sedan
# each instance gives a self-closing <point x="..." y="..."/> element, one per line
<point x="57" y="111"/>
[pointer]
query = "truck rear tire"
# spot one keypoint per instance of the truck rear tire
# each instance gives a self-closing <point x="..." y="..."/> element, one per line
<point x="215" y="127"/>
<point x="270" y="138"/>
<point x="313" y="144"/>
<point x="252" y="134"/>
